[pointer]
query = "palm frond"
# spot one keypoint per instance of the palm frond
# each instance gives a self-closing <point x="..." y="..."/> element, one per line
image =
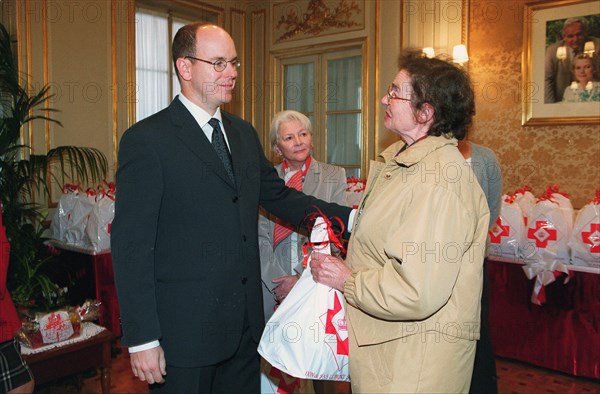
<point x="9" y="73"/>
<point x="24" y="175"/>
<point x="78" y="163"/>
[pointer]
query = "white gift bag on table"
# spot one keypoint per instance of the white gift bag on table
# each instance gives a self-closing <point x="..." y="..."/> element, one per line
<point x="526" y="200"/>
<point x="75" y="233"/>
<point x="307" y="336"/>
<point x="549" y="230"/>
<point x="100" y="219"/>
<point x="62" y="213"/>
<point x="508" y="233"/>
<point x="585" y="238"/>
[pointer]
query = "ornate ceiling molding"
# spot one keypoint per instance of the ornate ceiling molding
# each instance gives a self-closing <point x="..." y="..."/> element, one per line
<point x="318" y="18"/>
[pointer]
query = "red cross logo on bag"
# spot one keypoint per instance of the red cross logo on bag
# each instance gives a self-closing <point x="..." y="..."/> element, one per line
<point x="543" y="232"/>
<point x="333" y="325"/>
<point x="592" y="237"/>
<point x="498" y="231"/>
<point x="284" y="387"/>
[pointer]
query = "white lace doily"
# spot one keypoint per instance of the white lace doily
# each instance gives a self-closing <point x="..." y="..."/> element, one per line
<point x="88" y="330"/>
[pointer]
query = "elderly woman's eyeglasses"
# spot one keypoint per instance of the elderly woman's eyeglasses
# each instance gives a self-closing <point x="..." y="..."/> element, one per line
<point x="220" y="64"/>
<point x="391" y="95"/>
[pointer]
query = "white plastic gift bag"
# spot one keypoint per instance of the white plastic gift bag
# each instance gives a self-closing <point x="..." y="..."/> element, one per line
<point x="526" y="200"/>
<point x="62" y="214"/>
<point x="274" y="381"/>
<point x="75" y="232"/>
<point x="100" y="219"/>
<point x="549" y="229"/>
<point x="585" y="238"/>
<point x="307" y="336"/>
<point x="507" y="234"/>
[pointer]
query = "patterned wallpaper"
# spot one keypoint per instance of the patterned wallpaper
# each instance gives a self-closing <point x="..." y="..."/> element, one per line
<point x="538" y="156"/>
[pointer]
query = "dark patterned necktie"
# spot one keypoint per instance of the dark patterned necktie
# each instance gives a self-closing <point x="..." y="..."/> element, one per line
<point x="218" y="141"/>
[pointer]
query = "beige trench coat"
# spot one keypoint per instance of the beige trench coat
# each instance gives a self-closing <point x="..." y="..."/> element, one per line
<point x="416" y="253"/>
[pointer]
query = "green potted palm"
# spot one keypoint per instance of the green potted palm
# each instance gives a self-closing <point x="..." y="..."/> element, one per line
<point x="24" y="175"/>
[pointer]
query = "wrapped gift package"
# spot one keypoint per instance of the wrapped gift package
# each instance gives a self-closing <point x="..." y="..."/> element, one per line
<point x="84" y="219"/>
<point x="508" y="233"/>
<point x="100" y="219"/>
<point x="75" y="231"/>
<point x="307" y="336"/>
<point x="62" y="214"/>
<point x="526" y="200"/>
<point x="47" y="328"/>
<point x="549" y="229"/>
<point x="44" y="328"/>
<point x="546" y="229"/>
<point x="585" y="238"/>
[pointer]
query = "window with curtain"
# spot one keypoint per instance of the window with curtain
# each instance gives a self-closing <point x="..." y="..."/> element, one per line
<point x="343" y="114"/>
<point x="327" y="88"/>
<point x="156" y="80"/>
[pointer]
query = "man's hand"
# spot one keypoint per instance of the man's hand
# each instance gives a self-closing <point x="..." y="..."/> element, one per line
<point x="149" y="365"/>
<point x="329" y="270"/>
<point x="285" y="286"/>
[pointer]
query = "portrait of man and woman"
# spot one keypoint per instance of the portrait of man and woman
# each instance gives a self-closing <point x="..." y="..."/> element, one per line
<point x="571" y="64"/>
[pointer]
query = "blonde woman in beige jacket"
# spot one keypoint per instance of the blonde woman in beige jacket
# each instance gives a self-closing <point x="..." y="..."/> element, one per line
<point x="412" y="278"/>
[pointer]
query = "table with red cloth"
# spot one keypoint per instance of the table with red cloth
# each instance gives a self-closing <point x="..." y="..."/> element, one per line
<point x="103" y="282"/>
<point x="73" y="356"/>
<point x="563" y="334"/>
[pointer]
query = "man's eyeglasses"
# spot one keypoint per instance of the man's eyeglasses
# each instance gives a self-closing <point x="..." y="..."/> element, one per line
<point x="391" y="95"/>
<point x="220" y="64"/>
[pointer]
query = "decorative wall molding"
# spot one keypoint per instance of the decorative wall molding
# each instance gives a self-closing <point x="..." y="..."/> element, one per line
<point x="439" y="24"/>
<point x="311" y="18"/>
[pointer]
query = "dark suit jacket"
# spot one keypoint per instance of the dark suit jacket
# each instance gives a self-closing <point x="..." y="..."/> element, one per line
<point x="184" y="237"/>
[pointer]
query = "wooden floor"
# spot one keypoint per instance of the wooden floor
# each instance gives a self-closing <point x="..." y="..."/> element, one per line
<point x="513" y="378"/>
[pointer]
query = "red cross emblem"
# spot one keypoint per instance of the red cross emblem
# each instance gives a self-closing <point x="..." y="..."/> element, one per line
<point x="543" y="232"/>
<point x="498" y="231"/>
<point x="284" y="387"/>
<point x="592" y="237"/>
<point x="331" y="322"/>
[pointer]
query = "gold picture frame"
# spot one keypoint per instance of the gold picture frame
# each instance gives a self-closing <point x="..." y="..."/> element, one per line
<point x="541" y="18"/>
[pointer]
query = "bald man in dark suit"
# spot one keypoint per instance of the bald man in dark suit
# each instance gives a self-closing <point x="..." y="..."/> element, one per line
<point x="184" y="238"/>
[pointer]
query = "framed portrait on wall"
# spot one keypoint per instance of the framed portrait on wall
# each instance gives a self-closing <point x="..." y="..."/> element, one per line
<point x="561" y="62"/>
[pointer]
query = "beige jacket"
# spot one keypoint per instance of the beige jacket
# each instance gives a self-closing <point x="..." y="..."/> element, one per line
<point x="417" y="246"/>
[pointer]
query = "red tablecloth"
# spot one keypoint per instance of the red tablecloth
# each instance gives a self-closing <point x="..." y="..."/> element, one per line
<point x="103" y="280"/>
<point x="106" y="293"/>
<point x="563" y="334"/>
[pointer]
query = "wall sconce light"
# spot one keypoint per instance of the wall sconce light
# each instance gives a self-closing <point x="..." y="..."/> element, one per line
<point x="589" y="48"/>
<point x="561" y="53"/>
<point x="429" y="52"/>
<point x="459" y="54"/>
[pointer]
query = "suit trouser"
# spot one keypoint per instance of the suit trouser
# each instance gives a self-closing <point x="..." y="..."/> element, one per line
<point x="238" y="374"/>
<point x="484" y="379"/>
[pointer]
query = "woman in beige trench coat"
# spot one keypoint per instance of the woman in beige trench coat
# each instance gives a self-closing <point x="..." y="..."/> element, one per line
<point x="412" y="278"/>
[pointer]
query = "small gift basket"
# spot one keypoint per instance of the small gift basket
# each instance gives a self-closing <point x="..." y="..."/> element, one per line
<point x="45" y="328"/>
